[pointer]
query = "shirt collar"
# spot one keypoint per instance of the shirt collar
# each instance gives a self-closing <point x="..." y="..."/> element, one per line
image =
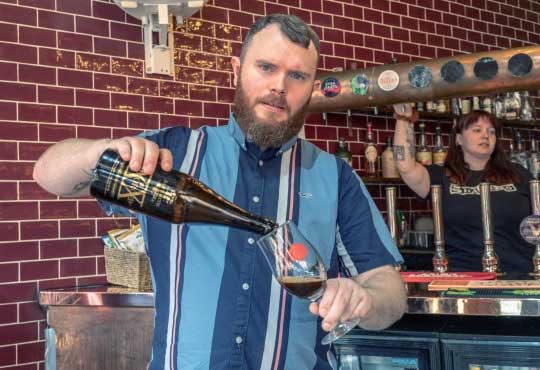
<point x="236" y="132"/>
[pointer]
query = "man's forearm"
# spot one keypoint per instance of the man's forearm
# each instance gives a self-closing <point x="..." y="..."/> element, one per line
<point x="65" y="168"/>
<point x="389" y="298"/>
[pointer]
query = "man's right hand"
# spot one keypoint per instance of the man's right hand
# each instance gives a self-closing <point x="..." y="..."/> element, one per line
<point x="142" y="154"/>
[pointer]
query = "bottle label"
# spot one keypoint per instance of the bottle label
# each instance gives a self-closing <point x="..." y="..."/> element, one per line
<point x="439" y="158"/>
<point x="424" y="158"/>
<point x="389" y="166"/>
<point x="371" y="153"/>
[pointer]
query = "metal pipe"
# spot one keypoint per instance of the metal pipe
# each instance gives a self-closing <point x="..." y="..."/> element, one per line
<point x="490" y="261"/>
<point x="422" y="80"/>
<point x="440" y="259"/>
<point x="391" y="209"/>
<point x="534" y="186"/>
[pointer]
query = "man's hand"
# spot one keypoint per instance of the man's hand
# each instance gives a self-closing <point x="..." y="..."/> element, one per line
<point x="344" y="299"/>
<point x="403" y="109"/>
<point x="143" y="155"/>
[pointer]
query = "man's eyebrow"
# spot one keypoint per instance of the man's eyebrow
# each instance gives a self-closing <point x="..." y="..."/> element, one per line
<point x="265" y="61"/>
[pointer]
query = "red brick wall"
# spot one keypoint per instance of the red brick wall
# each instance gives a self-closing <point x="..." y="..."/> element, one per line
<point x="74" y="68"/>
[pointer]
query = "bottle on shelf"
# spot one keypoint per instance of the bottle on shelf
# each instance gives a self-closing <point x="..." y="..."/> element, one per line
<point x="487" y="105"/>
<point x="441" y="106"/>
<point x="521" y="153"/>
<point x="423" y="154"/>
<point x="171" y="196"/>
<point x="439" y="151"/>
<point x="465" y="104"/>
<point x="511" y="106"/>
<point x="371" y="153"/>
<point x="534" y="159"/>
<point x="342" y="151"/>
<point x="430" y="106"/>
<point x="420" y="106"/>
<point x="476" y="103"/>
<point x="455" y="106"/>
<point x="388" y="162"/>
<point x="500" y="112"/>
<point x="526" y="107"/>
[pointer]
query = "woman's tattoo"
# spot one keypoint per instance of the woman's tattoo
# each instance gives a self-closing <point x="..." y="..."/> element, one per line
<point x="399" y="152"/>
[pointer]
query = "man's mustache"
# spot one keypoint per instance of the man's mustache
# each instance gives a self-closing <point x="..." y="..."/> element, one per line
<point x="276" y="101"/>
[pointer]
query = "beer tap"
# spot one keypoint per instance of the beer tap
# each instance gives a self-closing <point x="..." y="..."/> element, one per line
<point x="391" y="209"/>
<point x="490" y="261"/>
<point x="440" y="260"/>
<point x="530" y="225"/>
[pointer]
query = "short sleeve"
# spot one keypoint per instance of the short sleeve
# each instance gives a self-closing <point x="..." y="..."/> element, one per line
<point x="363" y="240"/>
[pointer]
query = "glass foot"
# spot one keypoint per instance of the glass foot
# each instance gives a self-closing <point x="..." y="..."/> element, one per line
<point x="339" y="330"/>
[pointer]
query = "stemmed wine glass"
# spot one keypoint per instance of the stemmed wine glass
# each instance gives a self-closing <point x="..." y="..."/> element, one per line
<point x="299" y="268"/>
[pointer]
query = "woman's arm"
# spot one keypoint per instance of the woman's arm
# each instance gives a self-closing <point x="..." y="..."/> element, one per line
<point x="413" y="173"/>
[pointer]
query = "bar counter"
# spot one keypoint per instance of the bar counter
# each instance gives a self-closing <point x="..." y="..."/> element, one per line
<point x="420" y="301"/>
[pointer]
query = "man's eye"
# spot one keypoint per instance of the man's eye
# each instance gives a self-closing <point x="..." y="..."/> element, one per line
<point x="265" y="67"/>
<point x="297" y="76"/>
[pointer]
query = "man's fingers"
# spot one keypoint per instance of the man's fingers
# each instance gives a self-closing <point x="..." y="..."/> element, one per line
<point x="165" y="159"/>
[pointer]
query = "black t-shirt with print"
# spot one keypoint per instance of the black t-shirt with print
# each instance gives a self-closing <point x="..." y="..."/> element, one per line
<point x="510" y="204"/>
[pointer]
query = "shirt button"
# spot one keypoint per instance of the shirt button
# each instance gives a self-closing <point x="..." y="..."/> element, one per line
<point x="256" y="199"/>
<point x="261" y="163"/>
<point x="238" y="340"/>
<point x="245" y="286"/>
<point x="251" y="240"/>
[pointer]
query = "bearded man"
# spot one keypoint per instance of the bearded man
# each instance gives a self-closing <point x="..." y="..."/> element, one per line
<point x="217" y="306"/>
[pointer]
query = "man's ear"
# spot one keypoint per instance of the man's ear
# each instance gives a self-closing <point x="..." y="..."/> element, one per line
<point x="235" y="62"/>
<point x="316" y="85"/>
<point x="458" y="139"/>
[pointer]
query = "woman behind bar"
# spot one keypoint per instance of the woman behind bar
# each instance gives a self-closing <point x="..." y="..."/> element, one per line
<point x="475" y="155"/>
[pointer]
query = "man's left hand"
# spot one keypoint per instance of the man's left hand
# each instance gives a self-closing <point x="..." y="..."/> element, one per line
<point x="344" y="299"/>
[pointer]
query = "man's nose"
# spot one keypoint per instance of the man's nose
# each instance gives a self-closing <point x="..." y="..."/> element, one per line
<point x="278" y="83"/>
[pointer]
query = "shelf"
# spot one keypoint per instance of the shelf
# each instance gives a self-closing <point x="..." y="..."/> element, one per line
<point x="381" y="180"/>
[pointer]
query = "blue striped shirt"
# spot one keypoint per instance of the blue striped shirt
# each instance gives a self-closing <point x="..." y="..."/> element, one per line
<point x="217" y="305"/>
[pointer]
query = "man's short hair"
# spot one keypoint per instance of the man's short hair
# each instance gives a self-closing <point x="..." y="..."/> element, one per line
<point x="291" y="26"/>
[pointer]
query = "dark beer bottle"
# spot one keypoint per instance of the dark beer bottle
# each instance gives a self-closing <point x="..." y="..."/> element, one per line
<point x="171" y="196"/>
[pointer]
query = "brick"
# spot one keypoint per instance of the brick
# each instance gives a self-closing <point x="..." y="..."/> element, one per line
<point x="93" y="133"/>
<point x="158" y="105"/>
<point x="226" y="31"/>
<point x="143" y="121"/>
<point x="37" y="36"/>
<point x="18" y="14"/>
<point x="15" y="292"/>
<point x="168" y="120"/>
<point x="57" y="209"/>
<point x="18" y="131"/>
<point x="126" y="102"/>
<point x="57" y="283"/>
<point x="56" y="95"/>
<point x="8" y="32"/>
<point x="126" y="32"/>
<point x="32" y="191"/>
<point x="58" y="248"/>
<point x="211" y="13"/>
<point x="78" y="266"/>
<point x="77" y="228"/>
<point x="322" y="19"/>
<point x="36" y="74"/>
<point x="39" y="270"/>
<point x="109" y="82"/>
<point x="57" y="58"/>
<point x="39" y="230"/>
<point x="315" y="5"/>
<point x="135" y="50"/>
<point x="187" y="42"/>
<point x="9" y="231"/>
<point x="91" y="26"/>
<point x="372" y="15"/>
<point x="409" y="23"/>
<point x="343" y="51"/>
<point x="89" y="209"/>
<point x="197" y="92"/>
<point x="275" y="9"/>
<point x="57" y="21"/>
<point x="44" y="4"/>
<point x="363" y="54"/>
<point x="373" y="42"/>
<point x="8" y="151"/>
<point x="127" y="67"/>
<point x="37" y="113"/>
<point x="30" y="311"/>
<point x="30" y="352"/>
<point x="18" y="53"/>
<point x="8" y="190"/>
<point x="91" y="247"/>
<point x="96" y="99"/>
<point x="188" y="107"/>
<point x="333" y="35"/>
<point x="217" y="47"/>
<point x="9" y="272"/>
<point x="173" y="89"/>
<point x="216" y="110"/>
<point x="92" y="62"/>
<point x="110" y="47"/>
<point x="55" y="132"/>
<point x="74" y="41"/>
<point x="122" y="132"/>
<point x="142" y="86"/>
<point x="11" y="211"/>
<point x="8" y="314"/>
<point x="8" y="71"/>
<point x="75" y="115"/>
<point x="67" y="77"/>
<point x="18" y="333"/>
<point x="83" y="7"/>
<point x="109" y="11"/>
<point x="111" y="118"/>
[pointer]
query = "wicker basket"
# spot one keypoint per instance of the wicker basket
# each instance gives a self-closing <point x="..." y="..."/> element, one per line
<point x="128" y="268"/>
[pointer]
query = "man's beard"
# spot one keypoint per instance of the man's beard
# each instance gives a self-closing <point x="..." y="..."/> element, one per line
<point x="263" y="133"/>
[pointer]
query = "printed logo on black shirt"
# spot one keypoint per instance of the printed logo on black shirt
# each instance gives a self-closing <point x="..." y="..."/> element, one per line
<point x="475" y="190"/>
